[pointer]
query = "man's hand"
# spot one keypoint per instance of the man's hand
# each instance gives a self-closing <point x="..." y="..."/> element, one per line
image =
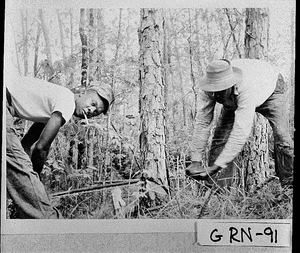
<point x="196" y="171"/>
<point x="213" y="169"/>
<point x="38" y="158"/>
<point x="194" y="167"/>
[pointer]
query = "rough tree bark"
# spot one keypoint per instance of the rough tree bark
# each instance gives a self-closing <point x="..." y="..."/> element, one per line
<point x="254" y="159"/>
<point x="151" y="99"/>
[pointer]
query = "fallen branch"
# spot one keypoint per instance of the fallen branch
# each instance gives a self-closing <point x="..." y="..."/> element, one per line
<point x="95" y="187"/>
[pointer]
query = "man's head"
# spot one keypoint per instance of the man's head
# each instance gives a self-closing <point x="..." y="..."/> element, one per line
<point x="220" y="76"/>
<point x="95" y="100"/>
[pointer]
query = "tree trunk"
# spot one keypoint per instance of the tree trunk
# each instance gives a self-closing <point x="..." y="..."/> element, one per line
<point x="193" y="79"/>
<point x="100" y="46"/>
<point x="292" y="87"/>
<point x="36" y="50"/>
<point x="254" y="159"/>
<point x="257" y="33"/>
<point x="71" y="48"/>
<point x="25" y="41"/>
<point x="62" y="40"/>
<point x="118" y="44"/>
<point x="90" y="146"/>
<point x="166" y="73"/>
<point x="151" y="100"/>
<point x="233" y="29"/>
<point x="222" y="30"/>
<point x="209" y="35"/>
<point x="48" y="46"/>
<point x="92" y="44"/>
<point x="179" y="71"/>
<point x="84" y="48"/>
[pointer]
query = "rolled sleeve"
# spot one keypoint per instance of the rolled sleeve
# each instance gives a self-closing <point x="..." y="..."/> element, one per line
<point x="244" y="116"/>
<point x="201" y="133"/>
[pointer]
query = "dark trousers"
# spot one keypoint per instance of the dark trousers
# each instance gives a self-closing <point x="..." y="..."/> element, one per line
<point x="275" y="110"/>
<point x="23" y="184"/>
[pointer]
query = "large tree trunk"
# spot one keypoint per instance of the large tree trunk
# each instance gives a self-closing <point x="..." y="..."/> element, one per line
<point x="152" y="101"/>
<point x="254" y="158"/>
<point x="257" y="33"/>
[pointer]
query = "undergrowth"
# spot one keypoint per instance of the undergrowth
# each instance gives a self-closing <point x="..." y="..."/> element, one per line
<point x="191" y="200"/>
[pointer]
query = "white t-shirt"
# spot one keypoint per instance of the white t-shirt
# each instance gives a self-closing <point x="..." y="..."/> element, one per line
<point x="36" y="99"/>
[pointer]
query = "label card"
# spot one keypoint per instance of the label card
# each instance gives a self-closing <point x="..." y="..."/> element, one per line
<point x="264" y="234"/>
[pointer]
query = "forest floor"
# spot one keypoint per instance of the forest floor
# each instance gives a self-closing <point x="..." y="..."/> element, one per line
<point x="189" y="199"/>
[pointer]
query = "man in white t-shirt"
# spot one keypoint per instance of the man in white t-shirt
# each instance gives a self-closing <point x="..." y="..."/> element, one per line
<point x="243" y="87"/>
<point x="49" y="106"/>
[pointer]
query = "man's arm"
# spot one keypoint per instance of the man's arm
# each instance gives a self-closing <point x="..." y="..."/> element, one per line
<point x="203" y="121"/>
<point x="32" y="136"/>
<point x="40" y="151"/>
<point x="241" y="130"/>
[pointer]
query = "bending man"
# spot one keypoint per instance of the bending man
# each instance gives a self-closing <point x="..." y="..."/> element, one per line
<point x="49" y="106"/>
<point x="243" y="87"/>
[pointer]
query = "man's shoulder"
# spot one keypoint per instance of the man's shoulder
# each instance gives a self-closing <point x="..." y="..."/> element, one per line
<point x="253" y="68"/>
<point x="37" y="84"/>
<point x="251" y="63"/>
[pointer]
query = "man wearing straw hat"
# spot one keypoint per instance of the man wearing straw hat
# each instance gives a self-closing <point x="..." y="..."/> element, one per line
<point x="243" y="87"/>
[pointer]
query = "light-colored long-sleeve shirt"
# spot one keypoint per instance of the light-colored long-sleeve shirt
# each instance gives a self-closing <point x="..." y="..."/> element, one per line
<point x="259" y="82"/>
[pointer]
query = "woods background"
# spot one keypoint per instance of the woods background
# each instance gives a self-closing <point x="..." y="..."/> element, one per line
<point x="152" y="58"/>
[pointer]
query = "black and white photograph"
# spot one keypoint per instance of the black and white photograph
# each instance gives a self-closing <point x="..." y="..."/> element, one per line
<point x="148" y="127"/>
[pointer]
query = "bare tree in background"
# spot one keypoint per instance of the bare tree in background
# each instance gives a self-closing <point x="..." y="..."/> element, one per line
<point x="84" y="47"/>
<point x="47" y="64"/>
<point x="25" y="40"/>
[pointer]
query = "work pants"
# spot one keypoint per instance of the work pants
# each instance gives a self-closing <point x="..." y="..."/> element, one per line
<point x="23" y="184"/>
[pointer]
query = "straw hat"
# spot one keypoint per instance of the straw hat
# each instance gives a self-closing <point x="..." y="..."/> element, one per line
<point x="220" y="75"/>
